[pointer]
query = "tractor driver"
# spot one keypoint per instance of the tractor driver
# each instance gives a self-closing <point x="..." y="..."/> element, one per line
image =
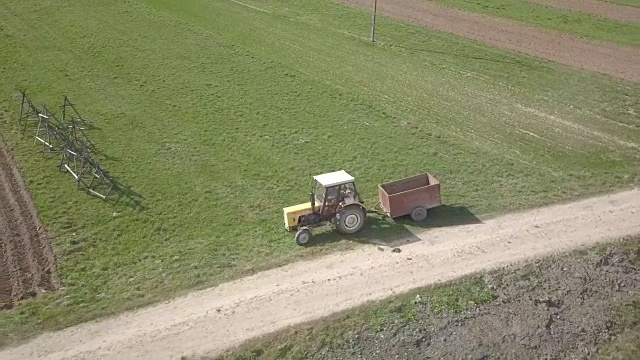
<point x="332" y="197"/>
<point x="347" y="191"/>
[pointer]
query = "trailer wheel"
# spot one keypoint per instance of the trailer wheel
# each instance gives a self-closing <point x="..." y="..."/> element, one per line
<point x="303" y="236"/>
<point x="418" y="214"/>
<point x="351" y="220"/>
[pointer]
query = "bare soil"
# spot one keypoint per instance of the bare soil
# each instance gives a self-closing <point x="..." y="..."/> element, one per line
<point x="596" y="7"/>
<point x="27" y="263"/>
<point x="211" y="321"/>
<point x="564" y="307"/>
<point x="618" y="61"/>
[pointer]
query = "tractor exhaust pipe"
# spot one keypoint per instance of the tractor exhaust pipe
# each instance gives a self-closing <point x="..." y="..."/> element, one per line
<point x="313" y="202"/>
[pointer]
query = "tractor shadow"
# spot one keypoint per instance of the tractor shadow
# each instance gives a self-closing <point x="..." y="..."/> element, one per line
<point x="382" y="231"/>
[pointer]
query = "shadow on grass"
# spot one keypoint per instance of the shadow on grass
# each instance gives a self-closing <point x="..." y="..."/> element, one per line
<point x="124" y="195"/>
<point x="384" y="231"/>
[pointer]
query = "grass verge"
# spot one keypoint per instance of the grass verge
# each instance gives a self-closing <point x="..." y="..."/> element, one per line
<point x="635" y="3"/>
<point x="626" y="344"/>
<point x="219" y="113"/>
<point x="571" y="22"/>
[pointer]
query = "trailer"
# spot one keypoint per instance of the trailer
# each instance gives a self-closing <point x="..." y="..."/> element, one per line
<point x="411" y="196"/>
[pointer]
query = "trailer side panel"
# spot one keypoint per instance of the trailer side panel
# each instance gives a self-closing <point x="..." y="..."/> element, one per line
<point x="399" y="198"/>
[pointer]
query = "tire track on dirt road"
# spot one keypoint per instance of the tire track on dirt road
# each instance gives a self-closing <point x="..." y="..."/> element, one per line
<point x="610" y="59"/>
<point x="210" y="321"/>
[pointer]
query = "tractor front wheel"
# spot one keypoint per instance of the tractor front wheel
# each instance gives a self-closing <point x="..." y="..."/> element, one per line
<point x="303" y="236"/>
<point x="351" y="220"/>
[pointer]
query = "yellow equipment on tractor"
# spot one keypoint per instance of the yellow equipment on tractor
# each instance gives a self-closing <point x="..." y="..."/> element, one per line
<point x="333" y="199"/>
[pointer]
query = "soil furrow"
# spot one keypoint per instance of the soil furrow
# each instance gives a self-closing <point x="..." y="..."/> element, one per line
<point x="10" y="283"/>
<point x="618" y="61"/>
<point x="20" y="222"/>
<point x="6" y="288"/>
<point x="35" y="241"/>
<point x="20" y="254"/>
<point x="28" y="263"/>
<point x="40" y="239"/>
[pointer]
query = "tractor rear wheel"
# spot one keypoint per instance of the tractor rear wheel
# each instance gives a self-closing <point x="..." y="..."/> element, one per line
<point x="303" y="236"/>
<point x="351" y="220"/>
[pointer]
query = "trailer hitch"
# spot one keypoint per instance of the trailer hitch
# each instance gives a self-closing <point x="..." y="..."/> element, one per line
<point x="375" y="210"/>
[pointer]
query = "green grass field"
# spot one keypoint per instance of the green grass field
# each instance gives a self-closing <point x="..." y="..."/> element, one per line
<point x="218" y="113"/>
<point x="626" y="2"/>
<point x="571" y="22"/>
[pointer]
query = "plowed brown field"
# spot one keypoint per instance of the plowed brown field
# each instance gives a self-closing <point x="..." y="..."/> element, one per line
<point x="27" y="263"/>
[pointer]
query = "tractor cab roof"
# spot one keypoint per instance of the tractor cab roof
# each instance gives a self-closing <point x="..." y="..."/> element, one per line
<point x="334" y="178"/>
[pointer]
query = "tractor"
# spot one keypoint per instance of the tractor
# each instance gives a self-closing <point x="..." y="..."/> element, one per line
<point x="334" y="199"/>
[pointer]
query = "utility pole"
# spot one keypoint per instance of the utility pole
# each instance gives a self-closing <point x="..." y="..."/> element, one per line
<point x="373" y="20"/>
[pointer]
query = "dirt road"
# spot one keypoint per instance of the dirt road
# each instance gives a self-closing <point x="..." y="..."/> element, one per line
<point x="209" y="321"/>
<point x="27" y="264"/>
<point x="617" y="61"/>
